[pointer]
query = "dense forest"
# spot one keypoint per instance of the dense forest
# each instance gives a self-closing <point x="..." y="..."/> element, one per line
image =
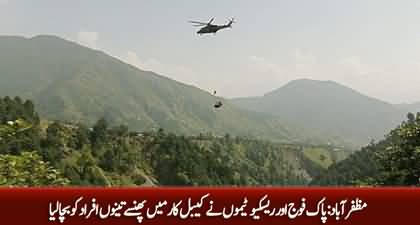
<point x="37" y="152"/>
<point x="394" y="161"/>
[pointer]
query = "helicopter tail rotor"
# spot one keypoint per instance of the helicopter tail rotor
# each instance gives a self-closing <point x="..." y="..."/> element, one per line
<point x="231" y="21"/>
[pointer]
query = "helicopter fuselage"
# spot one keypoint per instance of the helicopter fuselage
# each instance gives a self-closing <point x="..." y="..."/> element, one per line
<point x="211" y="29"/>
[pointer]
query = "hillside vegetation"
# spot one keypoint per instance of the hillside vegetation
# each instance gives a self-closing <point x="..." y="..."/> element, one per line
<point x="394" y="160"/>
<point x="73" y="154"/>
<point x="62" y="153"/>
<point x="69" y="82"/>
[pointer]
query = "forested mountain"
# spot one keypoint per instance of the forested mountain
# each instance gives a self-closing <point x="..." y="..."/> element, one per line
<point x="69" y="82"/>
<point x="333" y="110"/>
<point x="61" y="153"/>
<point x="73" y="86"/>
<point x="394" y="160"/>
<point x="73" y="83"/>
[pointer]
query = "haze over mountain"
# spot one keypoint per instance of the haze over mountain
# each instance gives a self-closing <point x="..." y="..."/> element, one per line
<point x="70" y="82"/>
<point x="410" y="107"/>
<point x="332" y="109"/>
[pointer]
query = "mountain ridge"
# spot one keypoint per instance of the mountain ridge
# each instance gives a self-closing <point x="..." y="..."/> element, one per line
<point x="71" y="82"/>
<point x="68" y="81"/>
<point x="331" y="108"/>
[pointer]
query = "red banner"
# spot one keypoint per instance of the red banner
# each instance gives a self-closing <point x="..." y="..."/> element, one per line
<point x="210" y="206"/>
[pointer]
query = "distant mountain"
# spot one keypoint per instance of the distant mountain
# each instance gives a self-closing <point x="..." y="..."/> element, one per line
<point x="333" y="110"/>
<point x="70" y="82"/>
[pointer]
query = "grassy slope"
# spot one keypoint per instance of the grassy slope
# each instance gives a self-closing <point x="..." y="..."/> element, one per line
<point x="319" y="155"/>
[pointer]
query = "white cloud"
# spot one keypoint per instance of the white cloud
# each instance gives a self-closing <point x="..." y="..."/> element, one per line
<point x="88" y="38"/>
<point x="150" y="64"/>
<point x="301" y="55"/>
<point x="305" y="63"/>
<point x="177" y="72"/>
<point x="261" y="64"/>
<point x="300" y="63"/>
<point x="350" y="71"/>
<point x="354" y="65"/>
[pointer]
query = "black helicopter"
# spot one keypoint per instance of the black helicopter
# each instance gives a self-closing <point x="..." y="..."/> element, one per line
<point x="208" y="28"/>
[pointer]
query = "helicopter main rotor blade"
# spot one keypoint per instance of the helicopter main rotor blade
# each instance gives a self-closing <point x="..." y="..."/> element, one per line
<point x="196" y="22"/>
<point x="211" y="20"/>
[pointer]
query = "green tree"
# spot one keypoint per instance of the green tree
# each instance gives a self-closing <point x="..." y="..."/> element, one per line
<point x="82" y="137"/>
<point x="28" y="169"/>
<point x="89" y="172"/>
<point x="400" y="160"/>
<point x="99" y="132"/>
<point x="52" y="148"/>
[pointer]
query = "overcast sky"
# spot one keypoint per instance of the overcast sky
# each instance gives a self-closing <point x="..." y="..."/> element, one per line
<point x="372" y="46"/>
